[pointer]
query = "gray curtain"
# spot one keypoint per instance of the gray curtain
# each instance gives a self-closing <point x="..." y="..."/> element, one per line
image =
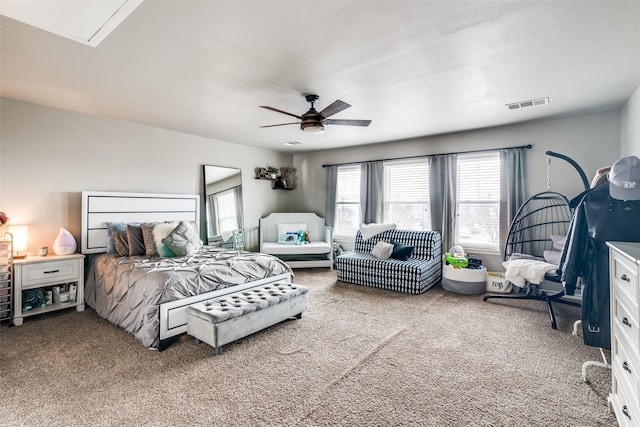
<point x="371" y="187"/>
<point x="442" y="197"/>
<point x="212" y="223"/>
<point x="512" y="188"/>
<point x="330" y="194"/>
<point x="237" y="193"/>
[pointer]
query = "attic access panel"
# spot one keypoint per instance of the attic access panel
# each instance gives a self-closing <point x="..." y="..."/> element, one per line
<point x="87" y="22"/>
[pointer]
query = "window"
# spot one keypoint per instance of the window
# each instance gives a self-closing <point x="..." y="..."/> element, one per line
<point x="225" y="206"/>
<point x="478" y="201"/>
<point x="347" y="202"/>
<point x="406" y="194"/>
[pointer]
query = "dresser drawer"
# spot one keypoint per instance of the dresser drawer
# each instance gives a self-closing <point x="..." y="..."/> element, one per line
<point x="624" y="273"/>
<point x="626" y="408"/>
<point x="625" y="362"/>
<point x="625" y="320"/>
<point x="49" y="273"/>
<point x="624" y="313"/>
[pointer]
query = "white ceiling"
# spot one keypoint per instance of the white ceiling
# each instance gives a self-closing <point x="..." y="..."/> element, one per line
<point x="414" y="68"/>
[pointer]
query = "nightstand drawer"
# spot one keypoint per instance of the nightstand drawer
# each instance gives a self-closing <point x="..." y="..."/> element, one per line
<point x="49" y="272"/>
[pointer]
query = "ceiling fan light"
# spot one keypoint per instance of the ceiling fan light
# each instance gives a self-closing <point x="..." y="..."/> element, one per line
<point x="312" y="127"/>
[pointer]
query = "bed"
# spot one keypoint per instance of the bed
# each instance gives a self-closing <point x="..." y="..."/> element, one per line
<point x="148" y="295"/>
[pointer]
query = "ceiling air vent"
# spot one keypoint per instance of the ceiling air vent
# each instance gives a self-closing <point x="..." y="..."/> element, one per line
<point x="528" y="103"/>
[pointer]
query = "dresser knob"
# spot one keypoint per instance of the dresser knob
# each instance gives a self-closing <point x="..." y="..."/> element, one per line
<point x="626" y="322"/>
<point x="626" y="367"/>
<point x="625" y="411"/>
<point x="625" y="278"/>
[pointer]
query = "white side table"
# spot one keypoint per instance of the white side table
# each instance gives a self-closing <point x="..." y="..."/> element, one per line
<point x="48" y="272"/>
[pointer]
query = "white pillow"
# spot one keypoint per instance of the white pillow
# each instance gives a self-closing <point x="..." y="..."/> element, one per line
<point x="291" y="228"/>
<point x="382" y="250"/>
<point x="558" y="242"/>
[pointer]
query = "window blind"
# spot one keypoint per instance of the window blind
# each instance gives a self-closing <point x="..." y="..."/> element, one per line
<point x="347" y="202"/>
<point x="478" y="201"/>
<point x="406" y="194"/>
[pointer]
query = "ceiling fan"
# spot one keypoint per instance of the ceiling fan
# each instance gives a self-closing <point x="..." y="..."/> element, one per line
<point x="314" y="121"/>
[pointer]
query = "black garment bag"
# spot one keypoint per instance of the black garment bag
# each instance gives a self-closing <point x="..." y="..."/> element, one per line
<point x="598" y="219"/>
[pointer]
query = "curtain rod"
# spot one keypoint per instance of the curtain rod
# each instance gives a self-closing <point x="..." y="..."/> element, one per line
<point x="525" y="147"/>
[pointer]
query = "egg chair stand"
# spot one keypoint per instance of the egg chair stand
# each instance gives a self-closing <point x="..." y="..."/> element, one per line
<point x="541" y="216"/>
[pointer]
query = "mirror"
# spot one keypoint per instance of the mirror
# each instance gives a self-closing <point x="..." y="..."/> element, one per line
<point x="223" y="203"/>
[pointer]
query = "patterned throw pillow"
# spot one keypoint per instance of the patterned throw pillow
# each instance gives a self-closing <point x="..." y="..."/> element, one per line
<point x="147" y="237"/>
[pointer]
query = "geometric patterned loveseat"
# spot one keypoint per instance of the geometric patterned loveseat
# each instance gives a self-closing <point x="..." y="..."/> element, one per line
<point x="414" y="276"/>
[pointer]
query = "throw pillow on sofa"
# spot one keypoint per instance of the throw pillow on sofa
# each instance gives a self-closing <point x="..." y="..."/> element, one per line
<point x="401" y="252"/>
<point x="382" y="250"/>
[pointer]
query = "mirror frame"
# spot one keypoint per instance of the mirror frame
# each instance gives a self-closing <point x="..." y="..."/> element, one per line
<point x="228" y="172"/>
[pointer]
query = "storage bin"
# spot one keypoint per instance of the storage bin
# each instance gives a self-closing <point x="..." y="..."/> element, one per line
<point x="496" y="283"/>
<point x="466" y="281"/>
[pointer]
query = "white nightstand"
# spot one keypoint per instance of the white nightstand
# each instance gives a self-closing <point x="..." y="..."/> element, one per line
<point x="48" y="272"/>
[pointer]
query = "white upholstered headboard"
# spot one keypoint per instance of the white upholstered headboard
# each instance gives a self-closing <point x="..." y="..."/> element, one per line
<point x="99" y="207"/>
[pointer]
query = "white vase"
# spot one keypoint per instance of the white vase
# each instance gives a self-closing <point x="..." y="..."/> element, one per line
<point x="64" y="244"/>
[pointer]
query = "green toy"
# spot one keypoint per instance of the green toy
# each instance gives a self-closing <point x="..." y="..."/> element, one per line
<point x="456" y="257"/>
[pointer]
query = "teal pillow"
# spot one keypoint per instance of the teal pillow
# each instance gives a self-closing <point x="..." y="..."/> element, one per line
<point x="401" y="252"/>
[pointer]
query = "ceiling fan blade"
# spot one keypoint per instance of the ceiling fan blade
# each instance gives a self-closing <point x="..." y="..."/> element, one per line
<point x="280" y="111"/>
<point x="281" y="124"/>
<point x="347" y="122"/>
<point x="334" y="108"/>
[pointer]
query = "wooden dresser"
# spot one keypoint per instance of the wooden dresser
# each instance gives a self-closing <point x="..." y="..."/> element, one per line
<point x="624" y="399"/>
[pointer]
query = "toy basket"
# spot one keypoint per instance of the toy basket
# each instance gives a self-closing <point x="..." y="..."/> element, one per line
<point x="466" y="281"/>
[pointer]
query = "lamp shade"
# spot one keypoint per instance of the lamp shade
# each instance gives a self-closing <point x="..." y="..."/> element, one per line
<point x="20" y="233"/>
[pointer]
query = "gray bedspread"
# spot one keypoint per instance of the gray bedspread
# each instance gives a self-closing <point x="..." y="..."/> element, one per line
<point x="128" y="291"/>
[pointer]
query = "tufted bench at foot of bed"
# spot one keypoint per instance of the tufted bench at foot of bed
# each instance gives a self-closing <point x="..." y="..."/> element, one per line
<point x="222" y="320"/>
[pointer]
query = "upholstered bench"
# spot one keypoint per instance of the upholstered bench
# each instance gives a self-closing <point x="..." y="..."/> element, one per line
<point x="221" y="320"/>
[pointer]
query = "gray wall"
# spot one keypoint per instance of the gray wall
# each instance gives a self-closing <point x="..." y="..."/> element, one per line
<point x="591" y="140"/>
<point x="49" y="156"/>
<point x="630" y="127"/>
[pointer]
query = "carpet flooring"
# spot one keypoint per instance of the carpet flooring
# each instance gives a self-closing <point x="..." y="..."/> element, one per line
<point x="358" y="357"/>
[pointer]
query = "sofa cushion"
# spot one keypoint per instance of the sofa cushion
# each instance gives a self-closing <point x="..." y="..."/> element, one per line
<point x="312" y="248"/>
